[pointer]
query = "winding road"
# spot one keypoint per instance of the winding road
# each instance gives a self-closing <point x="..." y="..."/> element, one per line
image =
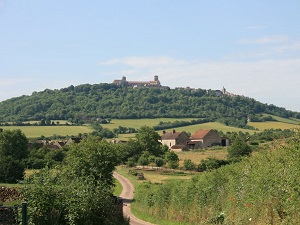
<point x="127" y="196"/>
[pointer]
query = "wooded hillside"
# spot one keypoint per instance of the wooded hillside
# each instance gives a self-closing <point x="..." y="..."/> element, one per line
<point x="79" y="103"/>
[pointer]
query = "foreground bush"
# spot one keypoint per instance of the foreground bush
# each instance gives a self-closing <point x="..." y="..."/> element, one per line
<point x="79" y="192"/>
<point x="263" y="189"/>
<point x="13" y="152"/>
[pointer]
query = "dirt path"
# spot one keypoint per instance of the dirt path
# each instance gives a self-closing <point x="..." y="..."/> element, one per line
<point x="127" y="196"/>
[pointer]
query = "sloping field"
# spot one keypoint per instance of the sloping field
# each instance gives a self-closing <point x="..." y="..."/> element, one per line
<point x="153" y="122"/>
<point x="212" y="125"/>
<point x="272" y="125"/>
<point x="284" y="120"/>
<point x="137" y="123"/>
<point x="189" y="129"/>
<point x="37" y="131"/>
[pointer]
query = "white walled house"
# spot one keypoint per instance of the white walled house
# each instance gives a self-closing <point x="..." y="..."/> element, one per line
<point x="175" y="141"/>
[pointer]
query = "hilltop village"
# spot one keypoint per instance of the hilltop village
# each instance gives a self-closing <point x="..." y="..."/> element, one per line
<point x="157" y="84"/>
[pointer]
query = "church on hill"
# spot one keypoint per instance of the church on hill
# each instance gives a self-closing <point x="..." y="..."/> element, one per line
<point x="153" y="83"/>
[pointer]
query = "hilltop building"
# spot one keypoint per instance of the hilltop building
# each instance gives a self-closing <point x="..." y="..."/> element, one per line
<point x="154" y="83"/>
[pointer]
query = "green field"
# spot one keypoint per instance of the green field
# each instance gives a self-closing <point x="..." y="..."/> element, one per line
<point x="197" y="156"/>
<point x="212" y="125"/>
<point x="284" y="120"/>
<point x="37" y="131"/>
<point x="137" y="123"/>
<point x="189" y="129"/>
<point x="260" y="126"/>
<point x="47" y="131"/>
<point x="272" y="125"/>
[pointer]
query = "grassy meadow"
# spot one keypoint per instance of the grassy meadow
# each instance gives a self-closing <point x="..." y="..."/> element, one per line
<point x="47" y="131"/>
<point x="285" y="120"/>
<point x="137" y="123"/>
<point x="189" y="129"/>
<point x="154" y="176"/>
<point x="272" y="125"/>
<point x="37" y="131"/>
<point x="197" y="156"/>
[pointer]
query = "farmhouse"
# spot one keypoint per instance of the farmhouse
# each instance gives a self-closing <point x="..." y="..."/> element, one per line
<point x="176" y="141"/>
<point x="204" y="138"/>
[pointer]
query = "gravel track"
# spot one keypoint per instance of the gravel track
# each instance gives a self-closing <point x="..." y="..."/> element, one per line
<point x="127" y="196"/>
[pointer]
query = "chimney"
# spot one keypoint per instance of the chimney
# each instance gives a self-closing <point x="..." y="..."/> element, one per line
<point x="174" y="131"/>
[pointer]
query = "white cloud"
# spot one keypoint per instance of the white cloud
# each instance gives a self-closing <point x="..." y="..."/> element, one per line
<point x="13" y="81"/>
<point x="284" y="48"/>
<point x="142" y="62"/>
<point x="265" y="40"/>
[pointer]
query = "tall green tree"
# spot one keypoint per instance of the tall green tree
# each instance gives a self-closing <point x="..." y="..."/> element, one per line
<point x="148" y="138"/>
<point x="92" y="158"/>
<point x="13" y="152"/>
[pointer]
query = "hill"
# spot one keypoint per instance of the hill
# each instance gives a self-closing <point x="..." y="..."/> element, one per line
<point x="87" y="102"/>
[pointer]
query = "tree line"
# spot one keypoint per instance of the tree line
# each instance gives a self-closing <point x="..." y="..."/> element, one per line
<point x="85" y="102"/>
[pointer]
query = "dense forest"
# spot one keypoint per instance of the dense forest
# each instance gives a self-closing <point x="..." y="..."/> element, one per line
<point x="86" y="101"/>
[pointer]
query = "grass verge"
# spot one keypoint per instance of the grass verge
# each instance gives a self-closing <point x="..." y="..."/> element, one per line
<point x="151" y="176"/>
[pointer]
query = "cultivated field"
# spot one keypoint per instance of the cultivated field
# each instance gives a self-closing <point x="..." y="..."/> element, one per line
<point x="285" y="120"/>
<point x="137" y="123"/>
<point x="212" y="125"/>
<point x="37" y="131"/>
<point x="272" y="125"/>
<point x="47" y="131"/>
<point x="189" y="129"/>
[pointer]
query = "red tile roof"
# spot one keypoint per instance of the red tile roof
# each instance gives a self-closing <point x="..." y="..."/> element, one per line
<point x="200" y="134"/>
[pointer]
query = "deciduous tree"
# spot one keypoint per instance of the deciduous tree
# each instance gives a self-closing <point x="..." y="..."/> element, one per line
<point x="13" y="152"/>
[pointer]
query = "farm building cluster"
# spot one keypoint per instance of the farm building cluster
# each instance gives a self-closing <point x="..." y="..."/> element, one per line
<point x="180" y="141"/>
<point x="176" y="141"/>
<point x="54" y="144"/>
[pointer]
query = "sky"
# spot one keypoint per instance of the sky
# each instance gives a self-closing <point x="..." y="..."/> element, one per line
<point x="252" y="48"/>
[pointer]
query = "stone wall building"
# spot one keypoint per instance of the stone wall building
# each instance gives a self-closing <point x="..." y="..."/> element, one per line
<point x="175" y="141"/>
<point x="153" y="83"/>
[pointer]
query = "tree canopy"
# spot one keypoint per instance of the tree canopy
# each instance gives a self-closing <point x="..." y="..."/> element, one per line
<point x="92" y="157"/>
<point x="13" y="152"/>
<point x="78" y="192"/>
<point x="110" y="101"/>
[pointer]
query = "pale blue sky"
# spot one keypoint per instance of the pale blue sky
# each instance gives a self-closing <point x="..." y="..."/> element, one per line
<point x="250" y="47"/>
